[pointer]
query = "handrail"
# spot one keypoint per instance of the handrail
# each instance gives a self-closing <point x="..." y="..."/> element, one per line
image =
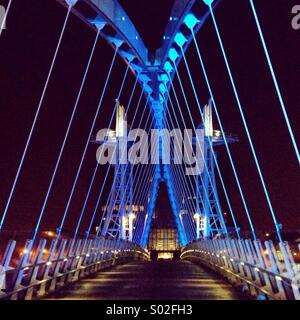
<point x="249" y="265"/>
<point x="66" y="262"/>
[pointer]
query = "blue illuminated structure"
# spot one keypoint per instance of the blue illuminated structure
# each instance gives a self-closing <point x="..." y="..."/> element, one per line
<point x="154" y="72"/>
<point x="153" y="76"/>
<point x="203" y="233"/>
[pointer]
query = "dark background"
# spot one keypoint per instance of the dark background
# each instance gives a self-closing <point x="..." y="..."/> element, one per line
<point x="26" y="51"/>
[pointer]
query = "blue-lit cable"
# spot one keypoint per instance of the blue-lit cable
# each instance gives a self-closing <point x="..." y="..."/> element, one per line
<point x="212" y="149"/>
<point x="66" y="137"/>
<point x="225" y="139"/>
<point x="183" y="189"/>
<point x="136" y="173"/>
<point x="180" y="178"/>
<point x="139" y="226"/>
<point x="184" y="205"/>
<point x="34" y="121"/>
<point x="107" y="172"/>
<point x="146" y="187"/>
<point x="141" y="199"/>
<point x="205" y="165"/>
<point x="139" y="223"/>
<point x="176" y="119"/>
<point x="210" y="144"/>
<point x="122" y="179"/>
<point x="135" y="176"/>
<point x="118" y="166"/>
<point x="195" y="179"/>
<point x="189" y="110"/>
<point x="177" y="122"/>
<point x="189" y="207"/>
<point x="282" y="104"/>
<point x="110" y="195"/>
<point x="143" y="150"/>
<point x="153" y="197"/>
<point x="97" y="166"/>
<point x="178" y="220"/>
<point x="143" y="195"/>
<point x="277" y="225"/>
<point x="87" y="143"/>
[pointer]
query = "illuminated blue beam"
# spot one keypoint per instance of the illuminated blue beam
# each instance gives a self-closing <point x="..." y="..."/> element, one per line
<point x="176" y="22"/>
<point x="111" y="13"/>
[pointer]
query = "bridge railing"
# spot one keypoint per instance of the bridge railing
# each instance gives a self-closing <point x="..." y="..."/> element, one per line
<point x="262" y="270"/>
<point x="38" y="272"/>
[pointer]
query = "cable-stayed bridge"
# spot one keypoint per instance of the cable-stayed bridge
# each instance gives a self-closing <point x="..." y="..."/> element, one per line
<point x="119" y="226"/>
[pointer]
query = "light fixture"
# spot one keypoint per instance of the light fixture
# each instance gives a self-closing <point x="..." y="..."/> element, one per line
<point x="180" y="39"/>
<point x="191" y="21"/>
<point x="173" y="54"/>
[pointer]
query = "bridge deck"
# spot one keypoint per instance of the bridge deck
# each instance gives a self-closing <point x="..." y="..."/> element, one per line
<point x="178" y="280"/>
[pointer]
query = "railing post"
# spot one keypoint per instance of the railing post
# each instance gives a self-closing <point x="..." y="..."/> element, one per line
<point x="248" y="272"/>
<point x="19" y="273"/>
<point x="45" y="272"/>
<point x="68" y="262"/>
<point x="94" y="256"/>
<point x="264" y="263"/>
<point x="5" y="263"/>
<point x="84" y="257"/>
<point x="100" y="255"/>
<point x="32" y="278"/>
<point x="57" y="266"/>
<point x="89" y="257"/>
<point x="75" y="260"/>
<point x="276" y="268"/>
<point x="253" y="260"/>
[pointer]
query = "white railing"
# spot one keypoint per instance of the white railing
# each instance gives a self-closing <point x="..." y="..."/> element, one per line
<point x="261" y="270"/>
<point x="39" y="272"/>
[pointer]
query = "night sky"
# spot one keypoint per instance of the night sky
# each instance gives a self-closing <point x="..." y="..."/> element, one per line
<point x="27" y="47"/>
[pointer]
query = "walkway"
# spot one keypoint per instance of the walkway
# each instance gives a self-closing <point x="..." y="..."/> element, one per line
<point x="162" y="280"/>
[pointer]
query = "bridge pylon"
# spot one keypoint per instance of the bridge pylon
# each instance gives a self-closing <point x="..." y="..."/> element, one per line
<point x="119" y="213"/>
<point x="209" y="218"/>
